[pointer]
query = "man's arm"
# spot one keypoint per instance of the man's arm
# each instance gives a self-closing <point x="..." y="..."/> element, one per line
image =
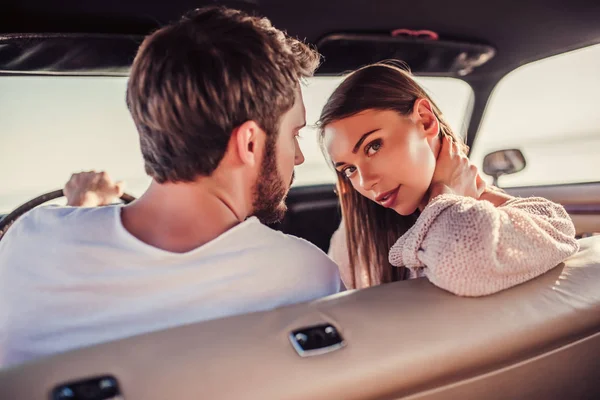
<point x="91" y="189"/>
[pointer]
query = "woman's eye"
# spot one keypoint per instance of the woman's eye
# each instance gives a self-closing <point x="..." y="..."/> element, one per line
<point x="373" y="147"/>
<point x="348" y="171"/>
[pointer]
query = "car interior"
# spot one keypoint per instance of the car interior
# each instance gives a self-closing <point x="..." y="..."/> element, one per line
<point x="404" y="340"/>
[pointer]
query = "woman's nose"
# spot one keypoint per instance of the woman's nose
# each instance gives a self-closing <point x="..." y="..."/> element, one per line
<point x="367" y="179"/>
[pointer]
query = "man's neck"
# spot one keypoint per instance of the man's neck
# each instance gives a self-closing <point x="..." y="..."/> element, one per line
<point x="180" y="217"/>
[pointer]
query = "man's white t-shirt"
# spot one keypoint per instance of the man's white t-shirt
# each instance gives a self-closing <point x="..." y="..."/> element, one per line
<point x="73" y="277"/>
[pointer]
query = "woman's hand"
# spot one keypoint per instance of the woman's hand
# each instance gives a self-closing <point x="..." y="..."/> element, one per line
<point x="91" y="189"/>
<point x="455" y="174"/>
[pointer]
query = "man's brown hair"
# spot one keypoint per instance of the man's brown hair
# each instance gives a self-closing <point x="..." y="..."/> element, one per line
<point x="194" y="81"/>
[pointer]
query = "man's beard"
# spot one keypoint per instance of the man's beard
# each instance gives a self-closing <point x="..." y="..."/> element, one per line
<point x="270" y="190"/>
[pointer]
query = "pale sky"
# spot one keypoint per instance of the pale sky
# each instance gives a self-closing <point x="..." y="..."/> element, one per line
<point x="53" y="126"/>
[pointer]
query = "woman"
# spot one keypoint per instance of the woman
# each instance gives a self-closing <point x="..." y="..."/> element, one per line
<point x="413" y="205"/>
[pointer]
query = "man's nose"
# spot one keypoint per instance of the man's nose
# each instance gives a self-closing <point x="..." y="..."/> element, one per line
<point x="298" y="157"/>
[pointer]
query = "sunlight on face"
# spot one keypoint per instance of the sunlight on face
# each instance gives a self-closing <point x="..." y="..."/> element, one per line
<point x="288" y="150"/>
<point x="384" y="155"/>
<point x="277" y="169"/>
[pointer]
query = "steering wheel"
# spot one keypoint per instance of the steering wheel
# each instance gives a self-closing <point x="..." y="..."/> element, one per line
<point x="8" y="220"/>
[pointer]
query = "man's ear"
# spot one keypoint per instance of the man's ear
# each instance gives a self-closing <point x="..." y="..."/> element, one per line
<point x="246" y="140"/>
<point x="425" y="118"/>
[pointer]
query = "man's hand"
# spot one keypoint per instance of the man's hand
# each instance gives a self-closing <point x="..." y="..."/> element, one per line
<point x="91" y="189"/>
<point x="455" y="174"/>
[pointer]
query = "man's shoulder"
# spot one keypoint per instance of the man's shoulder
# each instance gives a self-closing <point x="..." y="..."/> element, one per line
<point x="282" y="241"/>
<point x="64" y="211"/>
<point x="53" y="213"/>
<point x="42" y="220"/>
<point x="296" y="259"/>
<point x="288" y="248"/>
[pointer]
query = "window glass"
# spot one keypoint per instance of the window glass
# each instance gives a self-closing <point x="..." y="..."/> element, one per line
<point x="54" y="126"/>
<point x="550" y="110"/>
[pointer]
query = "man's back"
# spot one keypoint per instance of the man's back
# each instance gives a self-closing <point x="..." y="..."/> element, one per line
<point x="72" y="277"/>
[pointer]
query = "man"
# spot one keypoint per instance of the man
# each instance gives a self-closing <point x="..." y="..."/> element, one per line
<point x="217" y="104"/>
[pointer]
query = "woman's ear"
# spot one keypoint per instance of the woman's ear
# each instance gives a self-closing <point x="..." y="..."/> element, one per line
<point x="425" y="118"/>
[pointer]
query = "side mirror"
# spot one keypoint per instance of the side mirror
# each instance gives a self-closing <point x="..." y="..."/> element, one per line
<point x="503" y="162"/>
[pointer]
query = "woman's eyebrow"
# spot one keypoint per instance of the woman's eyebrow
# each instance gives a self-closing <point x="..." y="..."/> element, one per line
<point x="362" y="139"/>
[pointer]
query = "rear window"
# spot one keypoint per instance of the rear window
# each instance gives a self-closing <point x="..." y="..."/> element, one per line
<point x="54" y="126"/>
<point x="550" y="110"/>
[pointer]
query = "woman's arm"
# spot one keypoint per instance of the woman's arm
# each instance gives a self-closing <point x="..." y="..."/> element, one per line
<point x="472" y="248"/>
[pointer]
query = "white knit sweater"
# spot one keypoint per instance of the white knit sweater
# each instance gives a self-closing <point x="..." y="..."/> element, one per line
<point x="472" y="248"/>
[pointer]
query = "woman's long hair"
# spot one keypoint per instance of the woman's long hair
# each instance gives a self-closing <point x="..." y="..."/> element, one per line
<point x="371" y="229"/>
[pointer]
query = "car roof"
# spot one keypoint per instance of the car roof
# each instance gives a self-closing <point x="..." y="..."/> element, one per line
<point x="521" y="31"/>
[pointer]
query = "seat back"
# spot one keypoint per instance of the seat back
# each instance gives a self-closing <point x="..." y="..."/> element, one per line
<point x="407" y="340"/>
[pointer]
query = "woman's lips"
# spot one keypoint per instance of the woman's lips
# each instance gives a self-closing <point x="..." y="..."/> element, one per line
<point x="388" y="199"/>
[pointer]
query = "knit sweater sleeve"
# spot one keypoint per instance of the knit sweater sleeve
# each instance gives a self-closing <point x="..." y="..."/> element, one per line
<point x="472" y="248"/>
<point x="338" y="251"/>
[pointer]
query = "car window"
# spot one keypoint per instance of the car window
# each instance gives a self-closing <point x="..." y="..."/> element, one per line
<point x="550" y="110"/>
<point x="53" y="126"/>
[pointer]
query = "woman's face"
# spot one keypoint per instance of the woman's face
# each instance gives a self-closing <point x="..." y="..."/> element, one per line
<point x="387" y="157"/>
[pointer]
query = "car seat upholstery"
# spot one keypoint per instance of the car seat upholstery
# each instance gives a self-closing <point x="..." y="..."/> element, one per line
<point x="406" y="340"/>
